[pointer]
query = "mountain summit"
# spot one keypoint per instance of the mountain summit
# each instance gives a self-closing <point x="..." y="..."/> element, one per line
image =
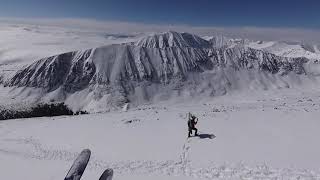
<point x="173" y="39"/>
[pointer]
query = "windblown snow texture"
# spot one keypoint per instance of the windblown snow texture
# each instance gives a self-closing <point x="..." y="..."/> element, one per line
<point x="155" y="67"/>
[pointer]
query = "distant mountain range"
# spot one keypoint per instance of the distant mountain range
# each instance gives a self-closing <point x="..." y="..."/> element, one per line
<point x="164" y="66"/>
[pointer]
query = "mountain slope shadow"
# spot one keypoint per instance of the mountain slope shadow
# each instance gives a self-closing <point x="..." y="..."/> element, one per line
<point x="206" y="136"/>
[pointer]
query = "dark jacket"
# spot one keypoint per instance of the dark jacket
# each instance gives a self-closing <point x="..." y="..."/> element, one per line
<point x="192" y="122"/>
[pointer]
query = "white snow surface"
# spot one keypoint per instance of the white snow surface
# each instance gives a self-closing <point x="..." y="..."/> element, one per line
<point x="258" y="135"/>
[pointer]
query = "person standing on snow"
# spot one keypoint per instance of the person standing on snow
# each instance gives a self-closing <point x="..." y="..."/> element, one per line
<point x="192" y="121"/>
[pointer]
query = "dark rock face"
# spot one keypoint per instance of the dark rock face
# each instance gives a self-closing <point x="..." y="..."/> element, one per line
<point x="46" y="73"/>
<point x="50" y="73"/>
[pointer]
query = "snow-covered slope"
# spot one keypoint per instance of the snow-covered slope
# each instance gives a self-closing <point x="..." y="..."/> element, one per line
<point x="268" y="135"/>
<point x="279" y="48"/>
<point x="155" y="68"/>
<point x="220" y="41"/>
<point x="287" y="49"/>
<point x="23" y="44"/>
<point x="173" y="39"/>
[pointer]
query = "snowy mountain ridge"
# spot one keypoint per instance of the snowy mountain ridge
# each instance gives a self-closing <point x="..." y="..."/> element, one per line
<point x="155" y="68"/>
<point x="172" y="39"/>
<point x="279" y="48"/>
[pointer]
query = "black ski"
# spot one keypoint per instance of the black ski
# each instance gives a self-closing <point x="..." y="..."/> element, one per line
<point x="79" y="165"/>
<point x="107" y="175"/>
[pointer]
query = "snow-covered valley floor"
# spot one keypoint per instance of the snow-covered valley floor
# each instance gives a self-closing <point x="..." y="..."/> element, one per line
<point x="263" y="135"/>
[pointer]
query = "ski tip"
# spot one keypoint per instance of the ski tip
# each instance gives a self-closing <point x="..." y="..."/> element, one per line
<point x="79" y="165"/>
<point x="86" y="151"/>
<point x="107" y="174"/>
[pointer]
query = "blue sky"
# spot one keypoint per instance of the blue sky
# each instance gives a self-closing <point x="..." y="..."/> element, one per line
<point x="266" y="13"/>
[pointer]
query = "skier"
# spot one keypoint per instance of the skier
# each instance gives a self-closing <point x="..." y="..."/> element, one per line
<point x="192" y="121"/>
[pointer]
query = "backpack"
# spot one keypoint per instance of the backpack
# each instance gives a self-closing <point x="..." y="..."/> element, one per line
<point x="189" y="123"/>
<point x="191" y="120"/>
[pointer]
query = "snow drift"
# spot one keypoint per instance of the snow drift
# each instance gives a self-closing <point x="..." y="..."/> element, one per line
<point x="155" y="68"/>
